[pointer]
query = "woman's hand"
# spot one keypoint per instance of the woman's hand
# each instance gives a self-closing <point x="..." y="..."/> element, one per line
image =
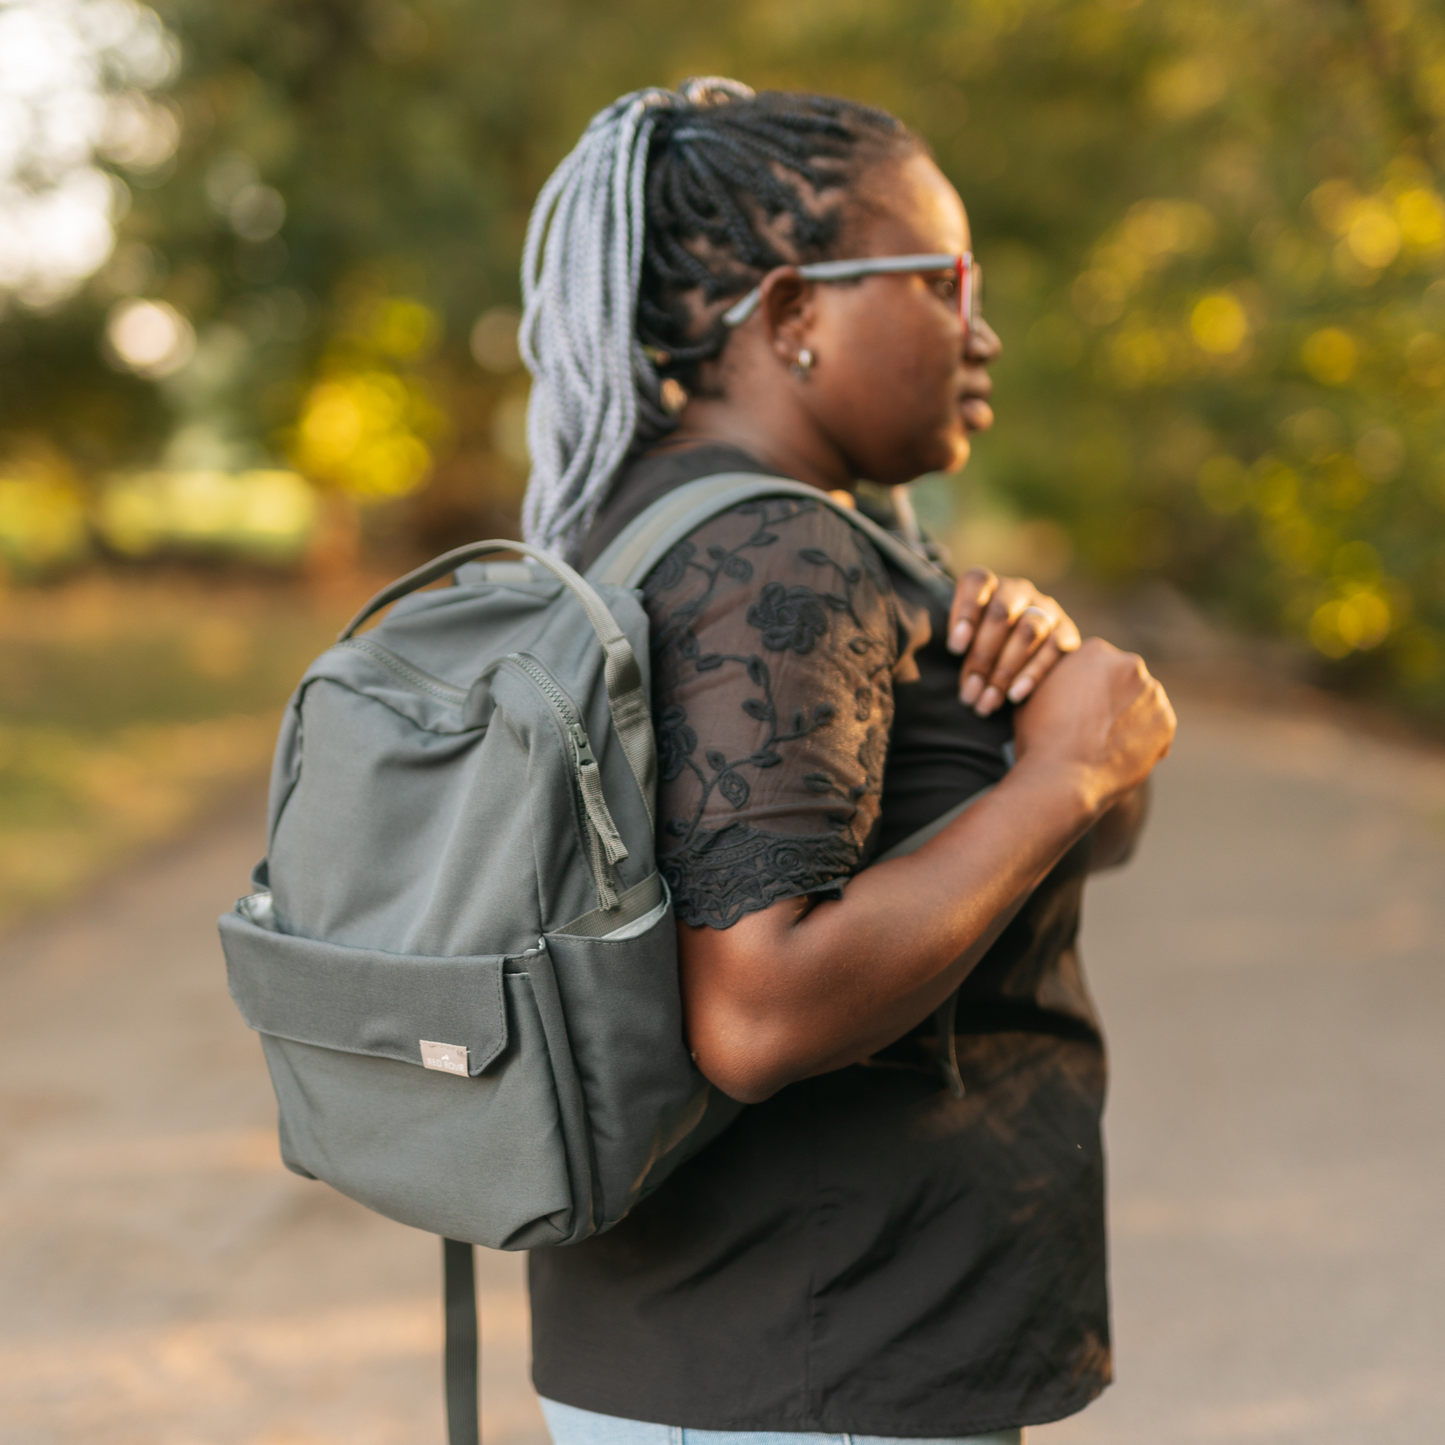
<point x="1010" y="634"/>
<point x="1101" y="720"/>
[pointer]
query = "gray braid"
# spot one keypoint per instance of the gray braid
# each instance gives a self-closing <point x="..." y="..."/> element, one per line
<point x="581" y="268"/>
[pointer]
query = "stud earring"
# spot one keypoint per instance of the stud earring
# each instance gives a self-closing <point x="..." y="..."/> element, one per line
<point x="804" y="364"/>
<point x="674" y="396"/>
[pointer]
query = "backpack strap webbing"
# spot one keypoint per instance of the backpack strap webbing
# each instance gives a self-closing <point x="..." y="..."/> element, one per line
<point x="648" y="538"/>
<point x="463" y="1343"/>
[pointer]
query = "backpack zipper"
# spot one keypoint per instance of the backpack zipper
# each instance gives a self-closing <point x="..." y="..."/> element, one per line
<point x="604" y="842"/>
<point x="421" y="681"/>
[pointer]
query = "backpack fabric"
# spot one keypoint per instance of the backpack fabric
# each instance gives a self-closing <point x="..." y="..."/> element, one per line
<point x="459" y="953"/>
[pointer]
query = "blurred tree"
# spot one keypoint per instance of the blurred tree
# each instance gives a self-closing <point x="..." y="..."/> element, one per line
<point x="1213" y="238"/>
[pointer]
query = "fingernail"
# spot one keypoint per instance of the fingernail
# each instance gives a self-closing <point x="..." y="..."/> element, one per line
<point x="1021" y="689"/>
<point x="972" y="686"/>
<point x="989" y="702"/>
<point x="960" y="637"/>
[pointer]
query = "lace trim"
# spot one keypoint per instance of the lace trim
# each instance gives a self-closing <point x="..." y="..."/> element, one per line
<point x="741" y="869"/>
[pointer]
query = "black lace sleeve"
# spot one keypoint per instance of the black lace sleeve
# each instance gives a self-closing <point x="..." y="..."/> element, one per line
<point x="775" y="635"/>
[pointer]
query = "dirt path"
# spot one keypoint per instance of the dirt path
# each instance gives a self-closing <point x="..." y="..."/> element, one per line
<point x="1271" y="973"/>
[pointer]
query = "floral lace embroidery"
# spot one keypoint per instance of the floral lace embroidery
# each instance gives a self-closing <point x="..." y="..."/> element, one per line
<point x="773" y="700"/>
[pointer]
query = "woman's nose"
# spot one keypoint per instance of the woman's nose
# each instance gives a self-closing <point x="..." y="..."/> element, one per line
<point x="981" y="343"/>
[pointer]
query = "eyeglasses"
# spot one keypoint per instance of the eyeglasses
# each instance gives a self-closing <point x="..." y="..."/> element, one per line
<point x="967" y="272"/>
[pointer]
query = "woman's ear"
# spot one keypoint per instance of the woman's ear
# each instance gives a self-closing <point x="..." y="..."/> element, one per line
<point x="787" y="312"/>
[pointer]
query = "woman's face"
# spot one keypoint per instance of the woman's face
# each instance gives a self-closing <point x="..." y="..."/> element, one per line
<point x="898" y="384"/>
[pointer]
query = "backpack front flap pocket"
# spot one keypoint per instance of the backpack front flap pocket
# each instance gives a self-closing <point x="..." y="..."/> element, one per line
<point x="421" y="1086"/>
<point x="443" y="1013"/>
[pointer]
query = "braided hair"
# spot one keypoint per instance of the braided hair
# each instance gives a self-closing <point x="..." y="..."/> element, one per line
<point x="671" y="204"/>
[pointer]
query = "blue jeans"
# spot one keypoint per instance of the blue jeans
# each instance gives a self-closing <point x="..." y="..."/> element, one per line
<point x="571" y="1426"/>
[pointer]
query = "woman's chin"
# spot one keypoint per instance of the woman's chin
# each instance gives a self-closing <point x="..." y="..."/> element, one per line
<point x="961" y="451"/>
<point x="944" y="453"/>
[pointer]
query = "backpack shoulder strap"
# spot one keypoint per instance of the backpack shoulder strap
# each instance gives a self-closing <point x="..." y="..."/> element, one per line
<point x="648" y="538"/>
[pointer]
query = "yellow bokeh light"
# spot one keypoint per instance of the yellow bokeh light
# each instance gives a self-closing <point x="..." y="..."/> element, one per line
<point x="42" y="520"/>
<point x="1343" y="485"/>
<point x="1293" y="541"/>
<point x="1156" y="229"/>
<point x="275" y="504"/>
<point x="1421" y="217"/>
<point x="1180" y="89"/>
<point x="331" y="426"/>
<point x="1425" y="359"/>
<point x="1330" y="356"/>
<point x="1373" y="237"/>
<point x="360" y="432"/>
<point x="403" y="329"/>
<point x="1355" y="623"/>
<point x="1219" y="324"/>
<point x="1276" y="488"/>
<point x="267" y="513"/>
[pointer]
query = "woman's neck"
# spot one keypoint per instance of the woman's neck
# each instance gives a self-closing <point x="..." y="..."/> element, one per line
<point x="716" y="423"/>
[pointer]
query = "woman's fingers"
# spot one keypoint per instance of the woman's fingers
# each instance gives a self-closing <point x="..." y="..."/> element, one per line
<point x="1061" y="641"/>
<point x="1022" y="637"/>
<point x="1028" y="636"/>
<point x="973" y="593"/>
<point x="1007" y="637"/>
<point x="1013" y="636"/>
<point x="1016" y="684"/>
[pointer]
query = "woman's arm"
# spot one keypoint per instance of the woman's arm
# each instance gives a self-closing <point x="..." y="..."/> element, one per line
<point x="799" y="989"/>
<point x="1116" y="834"/>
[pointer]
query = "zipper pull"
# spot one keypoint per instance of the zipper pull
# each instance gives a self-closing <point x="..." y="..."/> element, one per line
<point x="590" y="777"/>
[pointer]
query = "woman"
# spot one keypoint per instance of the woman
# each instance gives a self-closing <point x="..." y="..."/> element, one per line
<point x="879" y="1246"/>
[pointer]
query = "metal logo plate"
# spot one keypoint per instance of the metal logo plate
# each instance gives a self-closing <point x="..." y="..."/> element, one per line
<point x="449" y="1058"/>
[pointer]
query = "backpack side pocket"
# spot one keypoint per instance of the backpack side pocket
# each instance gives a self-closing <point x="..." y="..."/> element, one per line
<point x="648" y="1106"/>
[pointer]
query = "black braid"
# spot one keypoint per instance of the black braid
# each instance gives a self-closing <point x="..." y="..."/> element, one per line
<point x="725" y="175"/>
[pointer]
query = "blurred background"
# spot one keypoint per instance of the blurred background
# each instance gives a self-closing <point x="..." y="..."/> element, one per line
<point x="258" y="311"/>
<point x="258" y="290"/>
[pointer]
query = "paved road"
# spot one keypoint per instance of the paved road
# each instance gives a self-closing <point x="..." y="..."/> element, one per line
<point x="1271" y="972"/>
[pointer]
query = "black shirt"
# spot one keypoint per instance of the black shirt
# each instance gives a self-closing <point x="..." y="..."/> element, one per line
<point x="863" y="1252"/>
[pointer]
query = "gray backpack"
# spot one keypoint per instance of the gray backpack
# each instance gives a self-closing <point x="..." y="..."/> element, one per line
<point x="460" y="955"/>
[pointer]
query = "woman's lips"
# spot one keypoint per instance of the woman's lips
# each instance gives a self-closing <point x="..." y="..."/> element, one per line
<point x="977" y="413"/>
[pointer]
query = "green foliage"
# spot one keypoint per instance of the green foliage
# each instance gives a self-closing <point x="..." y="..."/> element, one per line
<point x="1212" y="236"/>
<point x="130" y="705"/>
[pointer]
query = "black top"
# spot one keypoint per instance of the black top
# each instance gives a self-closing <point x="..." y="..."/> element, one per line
<point x="863" y="1252"/>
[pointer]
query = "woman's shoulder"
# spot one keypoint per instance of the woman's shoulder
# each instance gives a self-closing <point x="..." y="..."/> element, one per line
<point x="648" y="478"/>
<point x="794" y="543"/>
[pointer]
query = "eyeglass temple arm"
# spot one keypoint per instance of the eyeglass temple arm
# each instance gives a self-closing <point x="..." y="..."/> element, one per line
<point x="847" y="270"/>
